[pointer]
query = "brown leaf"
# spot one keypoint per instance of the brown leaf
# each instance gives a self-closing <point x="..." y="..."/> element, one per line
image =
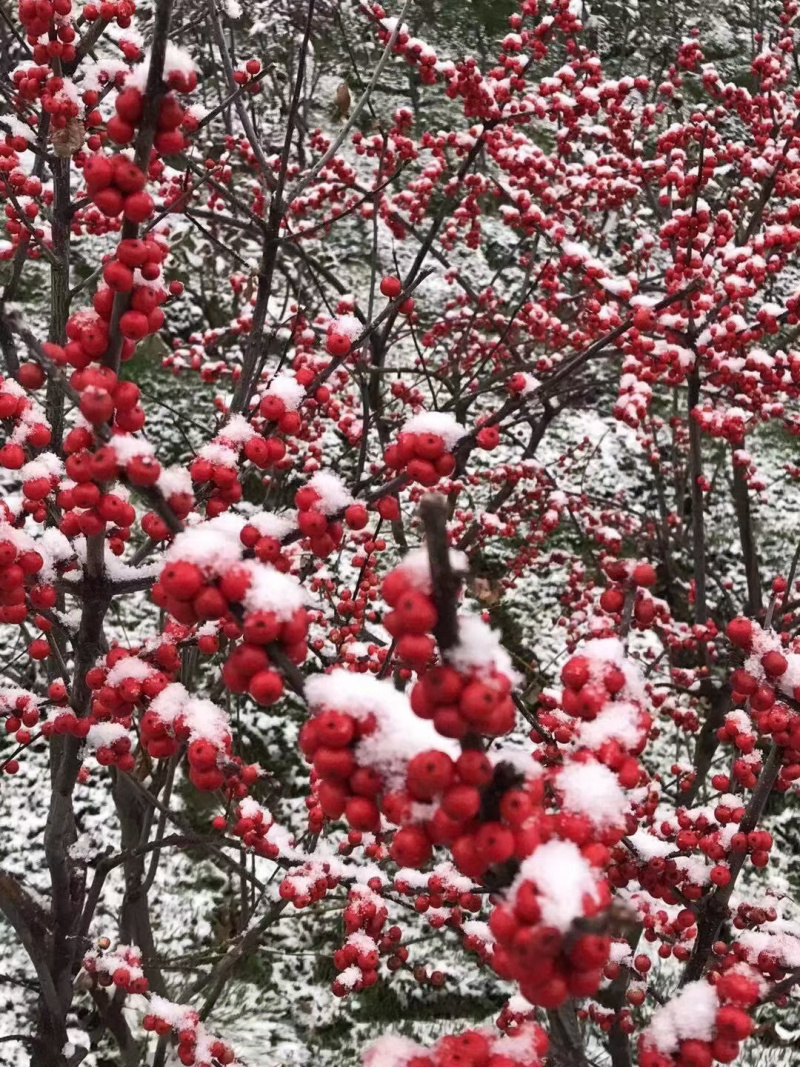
<point x="486" y="590"/>
<point x="342" y="100"/>
<point x="69" y="139"/>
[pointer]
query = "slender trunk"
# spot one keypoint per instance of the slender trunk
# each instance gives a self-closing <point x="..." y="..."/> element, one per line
<point x="698" y="503"/>
<point x="744" y="518"/>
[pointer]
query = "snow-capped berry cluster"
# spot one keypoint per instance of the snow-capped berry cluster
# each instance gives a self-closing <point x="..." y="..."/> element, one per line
<point x="527" y="1047"/>
<point x="30" y="426"/>
<point x="424" y="447"/>
<point x="537" y="945"/>
<point x="205" y="577"/>
<point x="470" y="692"/>
<point x="320" y="503"/>
<point x="216" y="465"/>
<point x="129" y="113"/>
<point x="703" y="1024"/>
<point x="120" y="967"/>
<point x="252" y="824"/>
<point x="360" y="738"/>
<point x="307" y="882"/>
<point x="196" y="1047"/>
<point x="562" y="878"/>
<point x="629" y="579"/>
<point x="20" y="567"/>
<point x="278" y="410"/>
<point x="19" y="714"/>
<point x="365" y="916"/>
<point x="770" y="671"/>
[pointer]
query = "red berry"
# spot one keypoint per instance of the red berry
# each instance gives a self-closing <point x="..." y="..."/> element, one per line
<point x="410" y="847"/>
<point x="740" y="633"/>
<point x="391" y="287"/>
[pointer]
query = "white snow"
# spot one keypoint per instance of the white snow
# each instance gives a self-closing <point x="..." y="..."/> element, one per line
<point x="399" y="733"/>
<point x="562" y="877"/>
<point x="690" y="1014"/>
<point x="593" y="790"/>
<point x="270" y="590"/>
<point x="436" y="422"/>
<point x="287" y="387"/>
<point x="334" y="496"/>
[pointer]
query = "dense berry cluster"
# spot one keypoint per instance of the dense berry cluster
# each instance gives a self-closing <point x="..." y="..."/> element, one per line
<point x="470" y="1048"/>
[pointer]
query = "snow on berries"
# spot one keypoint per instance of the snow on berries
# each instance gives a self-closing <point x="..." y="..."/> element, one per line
<point x="701" y="1025"/>
<point x="206" y="577"/>
<point x="556" y="885"/>
<point x="21" y="570"/>
<point x="407" y="591"/>
<point x="363" y="739"/>
<point x="120" y="967"/>
<point x="424" y="447"/>
<point x="527" y="1047"/>
<point x="194" y="1043"/>
<point x="30" y="425"/>
<point x="320" y="503"/>
<point x="765" y="689"/>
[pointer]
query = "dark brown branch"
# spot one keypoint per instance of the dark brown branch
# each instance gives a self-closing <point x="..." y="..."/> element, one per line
<point x="445" y="582"/>
<point x="744" y="518"/>
<point x="715" y="911"/>
<point x="698" y="501"/>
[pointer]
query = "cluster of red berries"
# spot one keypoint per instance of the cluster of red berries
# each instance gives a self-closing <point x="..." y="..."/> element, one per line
<point x="748" y="916"/>
<point x="265" y="547"/>
<point x="364" y="916"/>
<point x="193" y="594"/>
<point x="481" y="812"/>
<point x="265" y="452"/>
<point x="30" y="425"/>
<point x="273" y="409"/>
<point x="343" y="789"/>
<point x="121" y="967"/>
<point x="626" y="576"/>
<point x="116" y="186"/>
<point x="412" y="617"/>
<point x="486" y="815"/>
<point x="211" y="763"/>
<point x="459" y="704"/>
<point x="135" y="269"/>
<point x="248" y="75"/>
<point x="771" y="961"/>
<point x="196" y="1047"/>
<point x="37" y="17"/>
<point x="590" y="685"/>
<point x="735" y="993"/>
<point x="423" y="456"/>
<point x="306" y="883"/>
<point x="19" y="565"/>
<point x="34" y="82"/>
<point x="357" y="964"/>
<point x="125" y="682"/>
<point x="768" y="671"/>
<point x="88" y="506"/>
<point x="445" y="898"/>
<point x="418" y="55"/>
<point x="252" y="824"/>
<point x="129" y="107"/>
<point x="20" y="712"/>
<point x="119" y="11"/>
<point x="215" y="467"/>
<point x="527" y="1047"/>
<point x="324" y="531"/>
<point x="549" y="964"/>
